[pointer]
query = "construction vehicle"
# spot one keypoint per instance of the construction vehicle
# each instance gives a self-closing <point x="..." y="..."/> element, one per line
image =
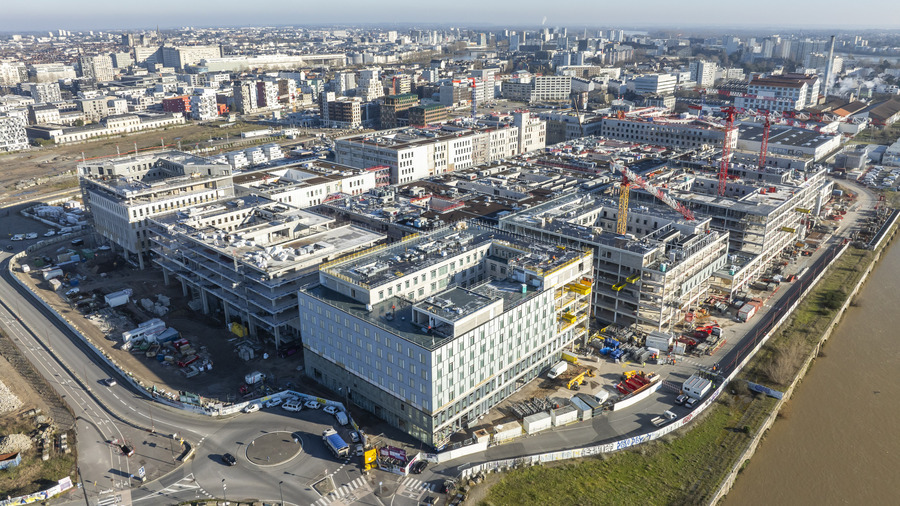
<point x="577" y="381"/>
<point x="335" y="443"/>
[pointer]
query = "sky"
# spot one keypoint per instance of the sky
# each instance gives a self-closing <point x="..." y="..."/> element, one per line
<point x="45" y="15"/>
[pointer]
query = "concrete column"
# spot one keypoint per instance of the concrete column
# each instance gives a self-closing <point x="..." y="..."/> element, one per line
<point x="165" y="277"/>
<point x="225" y="309"/>
<point x="204" y="298"/>
<point x="251" y="326"/>
<point x="184" y="289"/>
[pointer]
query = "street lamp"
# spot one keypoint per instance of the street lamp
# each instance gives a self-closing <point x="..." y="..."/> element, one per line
<point x="280" y="491"/>
<point x="224" y="494"/>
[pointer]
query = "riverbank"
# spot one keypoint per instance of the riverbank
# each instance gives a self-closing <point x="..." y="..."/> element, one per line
<point x="802" y="328"/>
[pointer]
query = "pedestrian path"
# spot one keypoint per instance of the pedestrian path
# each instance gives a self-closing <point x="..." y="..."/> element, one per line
<point x="342" y="491"/>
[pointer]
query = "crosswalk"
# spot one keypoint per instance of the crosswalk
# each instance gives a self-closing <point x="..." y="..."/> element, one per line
<point x="341" y="492"/>
<point x="412" y="488"/>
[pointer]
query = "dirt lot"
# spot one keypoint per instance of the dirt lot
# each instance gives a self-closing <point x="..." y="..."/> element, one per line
<point x="105" y="274"/>
<point x="52" y="161"/>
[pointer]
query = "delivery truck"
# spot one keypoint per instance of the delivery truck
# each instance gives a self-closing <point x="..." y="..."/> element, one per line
<point x="335" y="443"/>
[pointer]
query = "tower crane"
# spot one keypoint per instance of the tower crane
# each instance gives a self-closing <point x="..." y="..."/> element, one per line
<point x="726" y="147"/>
<point x="630" y="178"/>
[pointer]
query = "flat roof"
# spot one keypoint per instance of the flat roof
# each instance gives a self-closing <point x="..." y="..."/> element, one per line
<point x="395" y="315"/>
<point x="422" y="251"/>
<point x="786" y="136"/>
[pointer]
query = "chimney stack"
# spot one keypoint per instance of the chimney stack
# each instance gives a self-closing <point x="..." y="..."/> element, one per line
<point x="829" y="68"/>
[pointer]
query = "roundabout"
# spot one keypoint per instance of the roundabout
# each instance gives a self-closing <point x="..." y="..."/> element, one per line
<point x="274" y="448"/>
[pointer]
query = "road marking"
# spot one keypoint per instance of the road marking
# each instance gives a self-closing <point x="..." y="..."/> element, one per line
<point x="341" y="492"/>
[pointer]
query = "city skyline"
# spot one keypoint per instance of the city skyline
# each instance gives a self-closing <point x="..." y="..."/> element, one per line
<point x="91" y="15"/>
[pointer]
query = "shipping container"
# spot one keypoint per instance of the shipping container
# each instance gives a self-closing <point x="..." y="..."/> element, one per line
<point x="659" y="340"/>
<point x="563" y="416"/>
<point x="537" y="422"/>
<point x="584" y="411"/>
<point x="507" y="431"/>
<point x="696" y="387"/>
<point x="52" y="273"/>
<point x="569" y="357"/>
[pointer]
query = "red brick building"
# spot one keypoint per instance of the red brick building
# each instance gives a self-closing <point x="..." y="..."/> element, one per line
<point x="180" y="104"/>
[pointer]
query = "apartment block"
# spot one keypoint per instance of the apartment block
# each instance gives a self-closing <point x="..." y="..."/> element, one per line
<point x="394" y="107"/>
<point x="245" y="97"/>
<point x="423" y="115"/>
<point x="791" y="92"/>
<point x="341" y="112"/>
<point x="413" y="153"/>
<point x="203" y="104"/>
<point x="431" y="332"/>
<point x="98" y="68"/>
<point x="13" y="136"/>
<point x="43" y="93"/>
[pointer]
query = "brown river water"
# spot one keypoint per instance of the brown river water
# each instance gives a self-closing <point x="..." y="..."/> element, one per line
<point x="840" y="440"/>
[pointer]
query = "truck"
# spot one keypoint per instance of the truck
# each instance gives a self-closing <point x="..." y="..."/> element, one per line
<point x="335" y="443"/>
<point x="254" y="377"/>
<point x="557" y="369"/>
<point x="663" y="419"/>
<point x="748" y="310"/>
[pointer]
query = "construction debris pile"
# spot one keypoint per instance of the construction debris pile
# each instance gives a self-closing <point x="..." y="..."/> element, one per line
<point x="8" y="401"/>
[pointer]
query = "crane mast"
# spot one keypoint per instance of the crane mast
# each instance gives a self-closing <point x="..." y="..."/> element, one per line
<point x="630" y="178"/>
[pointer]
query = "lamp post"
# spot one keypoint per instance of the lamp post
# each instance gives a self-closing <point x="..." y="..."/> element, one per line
<point x="224" y="494"/>
<point x="280" y="491"/>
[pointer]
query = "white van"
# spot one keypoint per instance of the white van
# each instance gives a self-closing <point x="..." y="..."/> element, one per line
<point x="341" y="418"/>
<point x="602" y="396"/>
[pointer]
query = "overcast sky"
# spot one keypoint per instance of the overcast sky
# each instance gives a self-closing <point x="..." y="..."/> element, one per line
<point x="21" y="16"/>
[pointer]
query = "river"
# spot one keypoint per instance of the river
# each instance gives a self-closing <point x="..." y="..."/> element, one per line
<point x="839" y="442"/>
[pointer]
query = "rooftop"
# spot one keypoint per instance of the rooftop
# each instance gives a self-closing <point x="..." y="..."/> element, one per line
<point x="786" y="136"/>
<point x="420" y="252"/>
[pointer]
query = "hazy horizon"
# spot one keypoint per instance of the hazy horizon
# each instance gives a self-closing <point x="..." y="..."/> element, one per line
<point x="652" y="14"/>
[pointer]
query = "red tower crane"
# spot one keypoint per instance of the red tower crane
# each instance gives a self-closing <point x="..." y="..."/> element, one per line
<point x="726" y="147"/>
<point x="764" y="145"/>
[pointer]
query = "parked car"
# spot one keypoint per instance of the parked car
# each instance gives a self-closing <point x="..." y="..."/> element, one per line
<point x="72" y="291"/>
<point x="127" y="450"/>
<point x="250" y="408"/>
<point x="690" y="403"/>
<point x="312" y="405"/>
<point x="419" y="466"/>
<point x="31" y="235"/>
<point x="271" y="403"/>
<point x="18" y="237"/>
<point x="50" y="233"/>
<point x="681" y="399"/>
<point x="110" y="382"/>
<point x="292" y="406"/>
<point x="359" y="451"/>
<point x="331" y="409"/>
<point x="354" y="436"/>
<point x="229" y="459"/>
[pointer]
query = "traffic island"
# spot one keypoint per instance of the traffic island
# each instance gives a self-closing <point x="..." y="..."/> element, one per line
<point x="273" y="449"/>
